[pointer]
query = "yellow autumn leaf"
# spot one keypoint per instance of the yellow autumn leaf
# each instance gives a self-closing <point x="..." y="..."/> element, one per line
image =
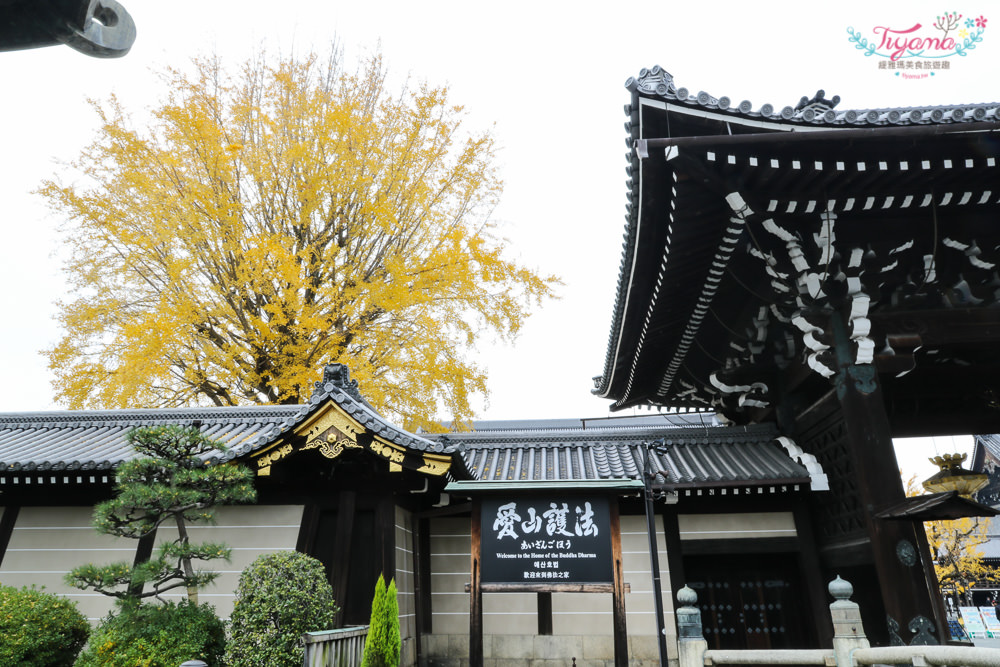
<point x="267" y="222"/>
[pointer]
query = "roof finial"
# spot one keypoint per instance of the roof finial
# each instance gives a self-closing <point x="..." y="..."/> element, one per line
<point x="339" y="376"/>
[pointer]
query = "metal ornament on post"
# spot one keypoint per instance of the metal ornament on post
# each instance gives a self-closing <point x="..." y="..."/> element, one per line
<point x="647" y="482"/>
<point x="953" y="477"/>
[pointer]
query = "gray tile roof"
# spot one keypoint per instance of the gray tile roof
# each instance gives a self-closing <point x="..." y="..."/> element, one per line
<point x="696" y="451"/>
<point x="95" y="439"/>
<point x="691" y="457"/>
<point x="991" y="443"/>
<point x="658" y="83"/>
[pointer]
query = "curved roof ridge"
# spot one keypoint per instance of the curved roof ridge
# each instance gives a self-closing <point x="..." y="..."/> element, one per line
<point x="657" y="83"/>
<point x="217" y="414"/>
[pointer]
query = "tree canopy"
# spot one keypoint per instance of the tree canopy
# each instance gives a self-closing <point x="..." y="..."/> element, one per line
<point x="264" y="223"/>
<point x="958" y="561"/>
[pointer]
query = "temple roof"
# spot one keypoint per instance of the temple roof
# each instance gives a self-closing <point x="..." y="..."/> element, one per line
<point x="688" y="456"/>
<point x="656" y="83"/>
<point x="747" y="230"/>
<point x="95" y="439"/>
<point x="693" y="450"/>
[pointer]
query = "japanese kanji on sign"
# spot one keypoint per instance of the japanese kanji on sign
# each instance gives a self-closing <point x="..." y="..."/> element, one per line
<point x="539" y="540"/>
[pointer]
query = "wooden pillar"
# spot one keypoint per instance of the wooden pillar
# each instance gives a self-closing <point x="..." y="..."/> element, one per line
<point x="675" y="552"/>
<point x="306" y="541"/>
<point x="385" y="526"/>
<point x="812" y="576"/>
<point x="894" y="544"/>
<point x="7" y="527"/>
<point x="618" y="597"/>
<point x="544" y="613"/>
<point x="340" y="564"/>
<point x="422" y="584"/>
<point x="476" y="590"/>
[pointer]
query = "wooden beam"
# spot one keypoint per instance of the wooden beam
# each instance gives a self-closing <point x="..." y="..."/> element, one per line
<point x="447" y="510"/>
<point x="943" y="326"/>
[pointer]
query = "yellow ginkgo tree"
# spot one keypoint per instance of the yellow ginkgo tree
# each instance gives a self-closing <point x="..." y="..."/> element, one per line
<point x="261" y="224"/>
<point x="958" y="560"/>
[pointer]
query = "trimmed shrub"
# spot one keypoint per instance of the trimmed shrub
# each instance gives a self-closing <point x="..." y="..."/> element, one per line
<point x="38" y="629"/>
<point x="280" y="597"/>
<point x="155" y="635"/>
<point x="382" y="646"/>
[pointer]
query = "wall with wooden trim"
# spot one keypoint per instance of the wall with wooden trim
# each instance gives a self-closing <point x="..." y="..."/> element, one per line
<point x="404" y="528"/>
<point x="48" y="542"/>
<point x="251" y="531"/>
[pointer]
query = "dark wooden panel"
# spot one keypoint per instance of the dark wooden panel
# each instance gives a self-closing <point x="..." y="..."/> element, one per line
<point x="762" y="545"/>
<point x="340" y="562"/>
<point x="545" y="613"/>
<point x="7" y="527"/>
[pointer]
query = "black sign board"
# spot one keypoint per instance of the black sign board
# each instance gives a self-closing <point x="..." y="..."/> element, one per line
<point x="546" y="539"/>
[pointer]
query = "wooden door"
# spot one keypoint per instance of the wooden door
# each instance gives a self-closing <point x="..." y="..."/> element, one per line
<point x="749" y="601"/>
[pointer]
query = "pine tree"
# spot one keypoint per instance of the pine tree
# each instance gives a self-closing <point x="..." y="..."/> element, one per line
<point x="168" y="483"/>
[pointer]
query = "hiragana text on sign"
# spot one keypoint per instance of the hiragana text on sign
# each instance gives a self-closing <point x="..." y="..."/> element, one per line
<point x="531" y="538"/>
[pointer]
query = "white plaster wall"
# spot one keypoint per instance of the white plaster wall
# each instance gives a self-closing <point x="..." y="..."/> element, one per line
<point x="48" y="542"/>
<point x="251" y="531"/>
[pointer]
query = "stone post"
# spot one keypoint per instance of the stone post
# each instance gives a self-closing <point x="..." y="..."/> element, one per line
<point x="848" y="633"/>
<point x="691" y="644"/>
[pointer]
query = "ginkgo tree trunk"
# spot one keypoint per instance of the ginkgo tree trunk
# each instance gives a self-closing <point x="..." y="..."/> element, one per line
<point x="275" y="216"/>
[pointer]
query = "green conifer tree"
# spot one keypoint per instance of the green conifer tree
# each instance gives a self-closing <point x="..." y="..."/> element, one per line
<point x="169" y="482"/>
<point x="376" y="643"/>
<point x="392" y="637"/>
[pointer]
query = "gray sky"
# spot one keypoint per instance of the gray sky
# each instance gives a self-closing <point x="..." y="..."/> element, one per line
<point x="549" y="75"/>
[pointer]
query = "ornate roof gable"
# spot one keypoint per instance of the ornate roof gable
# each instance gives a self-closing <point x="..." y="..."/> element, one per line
<point x="336" y="418"/>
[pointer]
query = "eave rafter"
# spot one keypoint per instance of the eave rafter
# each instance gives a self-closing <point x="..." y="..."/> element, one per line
<point x="811" y="274"/>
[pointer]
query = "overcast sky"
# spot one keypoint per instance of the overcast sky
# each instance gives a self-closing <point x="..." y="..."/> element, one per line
<point x="548" y="76"/>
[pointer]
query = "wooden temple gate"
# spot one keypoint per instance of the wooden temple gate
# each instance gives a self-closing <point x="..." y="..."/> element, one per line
<point x="832" y="271"/>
